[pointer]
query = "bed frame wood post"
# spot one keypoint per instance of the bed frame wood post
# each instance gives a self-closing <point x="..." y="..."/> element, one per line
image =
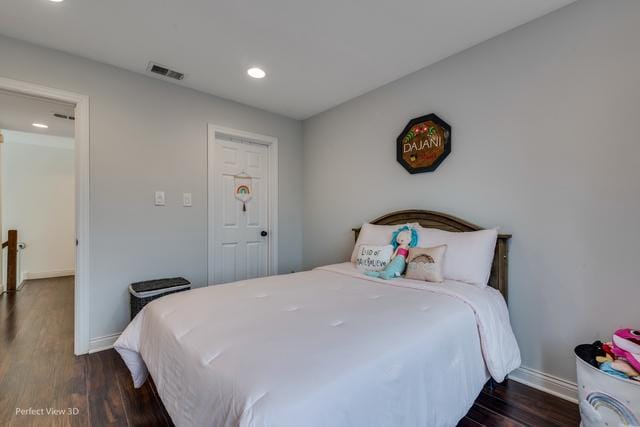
<point x="501" y="264"/>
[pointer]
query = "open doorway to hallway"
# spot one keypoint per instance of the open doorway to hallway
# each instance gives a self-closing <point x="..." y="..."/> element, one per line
<point x="37" y="189"/>
<point x="81" y="314"/>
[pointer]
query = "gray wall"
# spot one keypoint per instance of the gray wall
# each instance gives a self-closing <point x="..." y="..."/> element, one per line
<point x="546" y="145"/>
<point x="147" y="134"/>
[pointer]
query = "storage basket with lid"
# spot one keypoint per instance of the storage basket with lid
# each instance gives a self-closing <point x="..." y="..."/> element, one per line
<point x="143" y="293"/>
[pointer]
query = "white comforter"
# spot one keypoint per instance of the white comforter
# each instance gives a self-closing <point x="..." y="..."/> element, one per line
<point x="328" y="347"/>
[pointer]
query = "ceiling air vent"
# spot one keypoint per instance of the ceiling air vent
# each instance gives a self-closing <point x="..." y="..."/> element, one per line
<point x="63" y="116"/>
<point x="164" y="71"/>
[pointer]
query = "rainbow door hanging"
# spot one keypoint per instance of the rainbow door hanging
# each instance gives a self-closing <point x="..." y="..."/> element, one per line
<point x="243" y="191"/>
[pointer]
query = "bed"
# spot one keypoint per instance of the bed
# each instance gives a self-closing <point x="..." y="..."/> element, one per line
<point x="327" y="347"/>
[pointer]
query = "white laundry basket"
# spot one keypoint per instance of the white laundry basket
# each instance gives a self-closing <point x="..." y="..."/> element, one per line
<point x="606" y="400"/>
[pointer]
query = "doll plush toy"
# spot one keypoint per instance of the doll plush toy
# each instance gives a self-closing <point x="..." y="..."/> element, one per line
<point x="402" y="239"/>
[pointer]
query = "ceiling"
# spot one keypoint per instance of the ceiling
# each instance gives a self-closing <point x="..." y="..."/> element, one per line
<point x="317" y="53"/>
<point x="18" y="112"/>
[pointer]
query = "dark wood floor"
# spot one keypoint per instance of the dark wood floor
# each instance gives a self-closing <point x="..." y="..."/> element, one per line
<point x="38" y="371"/>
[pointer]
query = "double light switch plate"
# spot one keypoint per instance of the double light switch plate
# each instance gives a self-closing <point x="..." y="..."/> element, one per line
<point x="160" y="199"/>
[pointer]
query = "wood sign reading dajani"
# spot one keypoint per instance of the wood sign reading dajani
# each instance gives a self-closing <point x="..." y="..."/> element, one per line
<point x="424" y="143"/>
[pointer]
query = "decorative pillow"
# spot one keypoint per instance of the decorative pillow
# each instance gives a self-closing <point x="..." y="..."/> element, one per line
<point x="426" y="264"/>
<point x="469" y="254"/>
<point x="379" y="235"/>
<point x="373" y="258"/>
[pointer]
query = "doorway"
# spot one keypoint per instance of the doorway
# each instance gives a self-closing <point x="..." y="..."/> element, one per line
<point x="38" y="189"/>
<point x="242" y="196"/>
<point x="40" y="140"/>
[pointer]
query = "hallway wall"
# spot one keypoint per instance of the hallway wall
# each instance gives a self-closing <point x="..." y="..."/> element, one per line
<point x="38" y="200"/>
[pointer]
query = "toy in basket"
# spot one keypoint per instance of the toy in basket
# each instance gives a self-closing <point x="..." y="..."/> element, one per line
<point x="626" y="345"/>
<point x="609" y="382"/>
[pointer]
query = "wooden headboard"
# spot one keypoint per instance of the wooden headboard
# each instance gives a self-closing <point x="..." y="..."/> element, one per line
<point x="499" y="269"/>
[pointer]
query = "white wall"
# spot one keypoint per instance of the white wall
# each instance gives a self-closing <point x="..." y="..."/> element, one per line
<point x="38" y="193"/>
<point x="546" y="144"/>
<point x="146" y="135"/>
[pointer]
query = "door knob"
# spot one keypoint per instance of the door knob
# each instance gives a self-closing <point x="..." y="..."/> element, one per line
<point x="264" y="233"/>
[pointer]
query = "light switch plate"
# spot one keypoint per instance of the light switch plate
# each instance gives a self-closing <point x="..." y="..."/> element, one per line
<point x="186" y="200"/>
<point x="160" y="198"/>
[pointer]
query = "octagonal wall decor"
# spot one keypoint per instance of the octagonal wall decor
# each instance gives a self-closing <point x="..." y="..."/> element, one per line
<point x="423" y="144"/>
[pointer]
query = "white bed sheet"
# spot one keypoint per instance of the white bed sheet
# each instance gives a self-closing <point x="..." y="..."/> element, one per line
<point x="328" y="347"/>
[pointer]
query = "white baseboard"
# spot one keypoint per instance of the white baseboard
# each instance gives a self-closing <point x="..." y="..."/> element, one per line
<point x="546" y="382"/>
<point x="102" y="343"/>
<point x="27" y="275"/>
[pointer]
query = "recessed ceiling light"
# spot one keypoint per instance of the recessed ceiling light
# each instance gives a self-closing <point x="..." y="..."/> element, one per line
<point x="256" y="73"/>
<point x="56" y="1"/>
<point x="40" y="125"/>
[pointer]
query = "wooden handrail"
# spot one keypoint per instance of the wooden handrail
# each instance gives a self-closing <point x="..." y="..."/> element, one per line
<point x="12" y="260"/>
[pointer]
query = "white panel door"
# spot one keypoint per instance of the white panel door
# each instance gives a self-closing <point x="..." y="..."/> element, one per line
<point x="241" y="238"/>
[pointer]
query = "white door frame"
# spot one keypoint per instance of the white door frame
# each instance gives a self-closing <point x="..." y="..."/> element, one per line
<point x="82" y="176"/>
<point x="272" y="148"/>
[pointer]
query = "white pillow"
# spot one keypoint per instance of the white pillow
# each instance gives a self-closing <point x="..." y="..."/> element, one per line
<point x="373" y="258"/>
<point x="469" y="254"/>
<point x="378" y="235"/>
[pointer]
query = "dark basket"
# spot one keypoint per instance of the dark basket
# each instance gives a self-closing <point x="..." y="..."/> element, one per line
<point x="136" y="303"/>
